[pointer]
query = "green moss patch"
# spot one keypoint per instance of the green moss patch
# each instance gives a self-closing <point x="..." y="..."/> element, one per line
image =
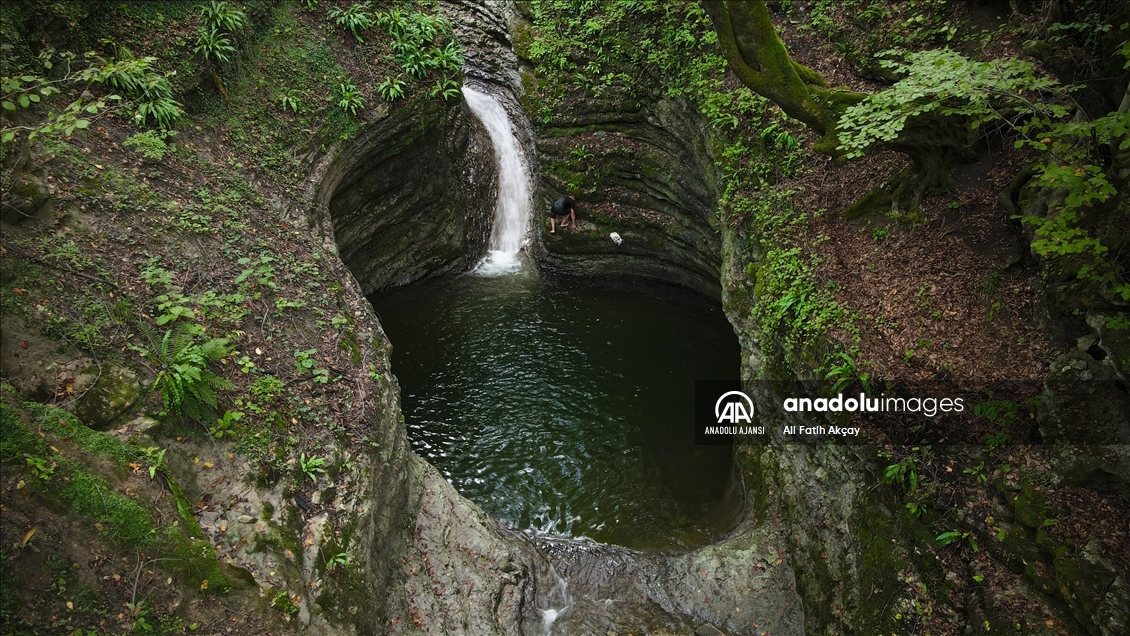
<point x="40" y="441"/>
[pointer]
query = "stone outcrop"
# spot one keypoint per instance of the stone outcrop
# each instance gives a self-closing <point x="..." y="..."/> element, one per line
<point x="411" y="195"/>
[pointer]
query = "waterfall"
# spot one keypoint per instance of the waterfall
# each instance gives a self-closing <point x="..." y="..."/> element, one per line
<point x="557" y="594"/>
<point x="512" y="210"/>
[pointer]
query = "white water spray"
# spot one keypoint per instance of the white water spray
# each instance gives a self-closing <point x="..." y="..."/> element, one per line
<point x="512" y="211"/>
<point x="557" y="594"/>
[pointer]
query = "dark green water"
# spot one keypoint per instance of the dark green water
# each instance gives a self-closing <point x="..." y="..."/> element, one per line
<point x="566" y="409"/>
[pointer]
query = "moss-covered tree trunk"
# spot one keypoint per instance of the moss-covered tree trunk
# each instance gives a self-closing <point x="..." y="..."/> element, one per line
<point x="759" y="58"/>
<point x="761" y="61"/>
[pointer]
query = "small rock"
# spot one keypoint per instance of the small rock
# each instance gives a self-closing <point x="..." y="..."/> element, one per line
<point x="708" y="630"/>
<point x="1086" y="342"/>
<point x="316" y="498"/>
<point x="105" y="394"/>
<point x="142" y="423"/>
<point x="246" y="519"/>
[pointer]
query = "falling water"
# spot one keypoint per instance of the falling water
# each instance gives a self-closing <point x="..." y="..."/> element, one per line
<point x="512" y="211"/>
<point x="556" y="597"/>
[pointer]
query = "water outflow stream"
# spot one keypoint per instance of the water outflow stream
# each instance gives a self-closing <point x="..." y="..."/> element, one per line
<point x="512" y="211"/>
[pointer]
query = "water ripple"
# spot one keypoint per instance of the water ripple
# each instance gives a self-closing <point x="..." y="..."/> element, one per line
<point x="565" y="410"/>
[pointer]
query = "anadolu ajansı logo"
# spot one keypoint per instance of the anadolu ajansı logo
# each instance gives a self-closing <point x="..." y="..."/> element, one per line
<point x="733" y="407"/>
<point x="722" y="411"/>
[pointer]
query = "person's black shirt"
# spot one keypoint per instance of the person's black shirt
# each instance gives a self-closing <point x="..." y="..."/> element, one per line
<point x="562" y="206"/>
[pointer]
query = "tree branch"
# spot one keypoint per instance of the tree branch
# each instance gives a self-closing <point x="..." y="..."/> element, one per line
<point x="760" y="60"/>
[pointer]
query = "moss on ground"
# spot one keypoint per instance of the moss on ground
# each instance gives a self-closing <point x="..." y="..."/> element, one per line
<point x="39" y="438"/>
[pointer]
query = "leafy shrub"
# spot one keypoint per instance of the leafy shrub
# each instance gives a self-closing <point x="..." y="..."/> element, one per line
<point x="149" y="144"/>
<point x="226" y="424"/>
<point x="148" y="91"/>
<point x="151" y="92"/>
<point x="945" y="83"/>
<point x="904" y="474"/>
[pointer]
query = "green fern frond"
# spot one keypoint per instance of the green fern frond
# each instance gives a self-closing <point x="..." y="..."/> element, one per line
<point x="214" y="349"/>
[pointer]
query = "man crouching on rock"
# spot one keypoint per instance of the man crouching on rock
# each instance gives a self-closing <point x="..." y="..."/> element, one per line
<point x="565" y="210"/>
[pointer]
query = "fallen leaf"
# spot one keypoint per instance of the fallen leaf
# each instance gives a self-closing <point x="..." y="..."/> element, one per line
<point x="204" y="585"/>
<point x="208" y="464"/>
<point x="28" y="536"/>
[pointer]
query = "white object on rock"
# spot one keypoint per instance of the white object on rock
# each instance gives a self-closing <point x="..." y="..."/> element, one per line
<point x="616" y="238"/>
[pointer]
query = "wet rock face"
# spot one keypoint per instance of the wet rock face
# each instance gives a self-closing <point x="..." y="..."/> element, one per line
<point x="1084" y="413"/>
<point x="482" y="28"/>
<point x="413" y="195"/>
<point x="639" y="165"/>
<point x="643" y="170"/>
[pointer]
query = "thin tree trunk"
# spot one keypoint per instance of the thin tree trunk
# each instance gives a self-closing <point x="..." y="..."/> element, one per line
<point x="220" y="85"/>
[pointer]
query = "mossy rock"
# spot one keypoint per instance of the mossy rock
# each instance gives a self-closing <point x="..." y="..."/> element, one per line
<point x="876" y="201"/>
<point x="1030" y="507"/>
<point x="112" y="393"/>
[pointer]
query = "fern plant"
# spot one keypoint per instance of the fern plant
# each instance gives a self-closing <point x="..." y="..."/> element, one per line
<point x="222" y="16"/>
<point x="355" y="18"/>
<point x="291" y="99"/>
<point x="213" y="45"/>
<point x="186" y="385"/>
<point x="150" y="91"/>
<point x="446" y="87"/>
<point x="392" y="88"/>
<point x="349" y="98"/>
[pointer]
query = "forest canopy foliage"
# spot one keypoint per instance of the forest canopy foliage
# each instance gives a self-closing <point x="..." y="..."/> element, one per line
<point x="943" y="103"/>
